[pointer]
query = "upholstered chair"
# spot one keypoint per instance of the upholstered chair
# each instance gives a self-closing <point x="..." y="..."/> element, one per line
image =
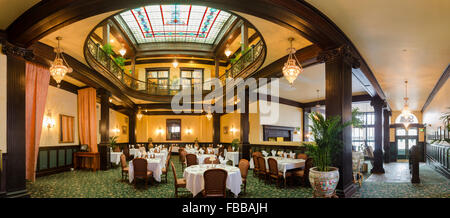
<point x="183" y="158"/>
<point x="274" y="173"/>
<point x="123" y="163"/>
<point x="215" y="181"/>
<point x="302" y="156"/>
<point x="303" y="174"/>
<point x="179" y="183"/>
<point x="262" y="172"/>
<point x="191" y="159"/>
<point x="210" y="160"/>
<point x="140" y="171"/>
<point x="243" y="167"/>
<point x="166" y="167"/>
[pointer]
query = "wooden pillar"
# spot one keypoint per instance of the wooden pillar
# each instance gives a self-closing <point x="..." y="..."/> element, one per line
<point x="338" y="102"/>
<point x="216" y="67"/>
<point x="15" y="168"/>
<point x="244" y="148"/>
<point x="216" y="129"/>
<point x="386" y="132"/>
<point x="106" y="30"/>
<point x="244" y="36"/>
<point x="132" y="127"/>
<point x="377" y="104"/>
<point x="104" y="115"/>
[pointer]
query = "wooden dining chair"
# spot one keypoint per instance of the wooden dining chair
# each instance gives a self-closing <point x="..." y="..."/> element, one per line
<point x="255" y="162"/>
<point x="302" y="156"/>
<point x="262" y="172"/>
<point x="123" y="163"/>
<point x="221" y="152"/>
<point x="191" y="159"/>
<point x="126" y="152"/>
<point x="215" y="181"/>
<point x="209" y="160"/>
<point x="179" y="183"/>
<point x="166" y="167"/>
<point x="229" y="149"/>
<point x="303" y="174"/>
<point x="140" y="171"/>
<point x="183" y="158"/>
<point x="274" y="173"/>
<point x="243" y="167"/>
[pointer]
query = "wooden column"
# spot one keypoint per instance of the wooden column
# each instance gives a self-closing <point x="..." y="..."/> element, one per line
<point x="15" y="122"/>
<point x="216" y="67"/>
<point x="132" y="127"/>
<point x="338" y="102"/>
<point x="104" y="115"/>
<point x="377" y="104"/>
<point x="386" y="132"/>
<point x="244" y="36"/>
<point x="244" y="148"/>
<point x="106" y="30"/>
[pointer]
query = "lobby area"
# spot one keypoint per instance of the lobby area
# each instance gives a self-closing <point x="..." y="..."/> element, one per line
<point x="225" y="99"/>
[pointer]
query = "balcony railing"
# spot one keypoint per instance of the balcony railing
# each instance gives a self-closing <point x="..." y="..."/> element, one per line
<point x="113" y="69"/>
<point x="246" y="63"/>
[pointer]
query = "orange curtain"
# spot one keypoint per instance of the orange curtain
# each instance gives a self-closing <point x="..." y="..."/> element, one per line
<point x="36" y="88"/>
<point x="87" y="118"/>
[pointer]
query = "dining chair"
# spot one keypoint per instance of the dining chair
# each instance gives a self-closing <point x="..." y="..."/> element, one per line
<point x="166" y="167"/>
<point x="126" y="152"/>
<point x="140" y="171"/>
<point x="210" y="160"/>
<point x="302" y="156"/>
<point x="262" y="172"/>
<point x="274" y="173"/>
<point x="229" y="149"/>
<point x="191" y="159"/>
<point x="221" y="152"/>
<point x="179" y="183"/>
<point x="303" y="174"/>
<point x="255" y="162"/>
<point x="142" y="149"/>
<point x="243" y="167"/>
<point x="215" y="181"/>
<point x="123" y="163"/>
<point x="183" y="158"/>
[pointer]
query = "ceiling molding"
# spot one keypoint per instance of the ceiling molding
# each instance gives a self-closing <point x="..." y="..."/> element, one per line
<point x="179" y="60"/>
<point x="444" y="77"/>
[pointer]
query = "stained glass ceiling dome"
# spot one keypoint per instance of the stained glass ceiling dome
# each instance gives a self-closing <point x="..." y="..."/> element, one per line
<point x="174" y="23"/>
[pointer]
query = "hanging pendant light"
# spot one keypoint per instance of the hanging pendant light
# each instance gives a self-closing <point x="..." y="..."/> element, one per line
<point x="227" y="51"/>
<point x="175" y="63"/>
<point x="122" y="51"/>
<point x="139" y="115"/>
<point x="292" y="67"/>
<point x="59" y="67"/>
<point x="209" y="115"/>
<point x="406" y="117"/>
<point x="317" y="105"/>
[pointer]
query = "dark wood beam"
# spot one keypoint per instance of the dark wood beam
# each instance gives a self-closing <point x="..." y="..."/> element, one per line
<point x="441" y="81"/>
<point x="119" y="33"/>
<point x="64" y="85"/>
<point x="172" y="113"/>
<point x="233" y="32"/>
<point x="179" y="60"/>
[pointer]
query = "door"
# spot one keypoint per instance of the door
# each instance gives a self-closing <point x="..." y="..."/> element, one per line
<point x="405" y="139"/>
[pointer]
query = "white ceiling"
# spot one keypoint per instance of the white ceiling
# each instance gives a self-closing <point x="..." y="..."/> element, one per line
<point x="400" y="39"/>
<point x="308" y="82"/>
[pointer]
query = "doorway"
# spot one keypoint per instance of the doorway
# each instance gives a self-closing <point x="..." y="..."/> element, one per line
<point x="405" y="138"/>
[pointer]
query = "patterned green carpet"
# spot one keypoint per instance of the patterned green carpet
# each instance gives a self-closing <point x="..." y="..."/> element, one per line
<point x="108" y="184"/>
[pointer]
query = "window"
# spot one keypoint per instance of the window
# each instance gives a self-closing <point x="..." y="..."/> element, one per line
<point x="157" y="80"/>
<point x="173" y="129"/>
<point x="364" y="135"/>
<point x="191" y="78"/>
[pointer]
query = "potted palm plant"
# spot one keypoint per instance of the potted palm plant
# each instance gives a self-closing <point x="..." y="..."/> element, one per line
<point x="113" y="143"/>
<point x="323" y="177"/>
<point x="235" y="144"/>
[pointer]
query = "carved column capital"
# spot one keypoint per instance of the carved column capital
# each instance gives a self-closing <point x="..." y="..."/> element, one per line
<point x="10" y="49"/>
<point x="377" y="103"/>
<point x="343" y="51"/>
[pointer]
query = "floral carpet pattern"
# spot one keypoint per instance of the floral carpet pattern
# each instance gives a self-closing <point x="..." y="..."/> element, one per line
<point x="108" y="184"/>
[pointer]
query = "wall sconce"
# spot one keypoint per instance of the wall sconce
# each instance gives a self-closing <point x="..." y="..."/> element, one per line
<point x="233" y="130"/>
<point x="49" y="122"/>
<point x="116" y="130"/>
<point x="159" y="131"/>
<point x="188" y="131"/>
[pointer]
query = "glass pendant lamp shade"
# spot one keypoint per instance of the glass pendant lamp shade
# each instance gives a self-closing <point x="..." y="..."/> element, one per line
<point x="139" y="116"/>
<point x="175" y="63"/>
<point x="59" y="67"/>
<point x="208" y="115"/>
<point x="122" y="51"/>
<point x="406" y="117"/>
<point x="227" y="52"/>
<point x="292" y="67"/>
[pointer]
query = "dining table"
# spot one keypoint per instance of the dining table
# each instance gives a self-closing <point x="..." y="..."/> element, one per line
<point x="284" y="164"/>
<point x="195" y="182"/>
<point x="233" y="156"/>
<point x="115" y="157"/>
<point x="153" y="164"/>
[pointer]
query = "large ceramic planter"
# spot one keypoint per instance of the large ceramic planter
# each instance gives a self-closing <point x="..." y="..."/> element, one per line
<point x="324" y="183"/>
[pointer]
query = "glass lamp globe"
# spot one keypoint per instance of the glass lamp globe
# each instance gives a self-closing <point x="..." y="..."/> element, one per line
<point x="291" y="71"/>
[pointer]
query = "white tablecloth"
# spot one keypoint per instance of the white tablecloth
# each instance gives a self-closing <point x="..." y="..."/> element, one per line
<point x="195" y="182"/>
<point x="202" y="157"/>
<point x="285" y="164"/>
<point x="115" y="157"/>
<point x="233" y="156"/>
<point x="134" y="151"/>
<point x="153" y="165"/>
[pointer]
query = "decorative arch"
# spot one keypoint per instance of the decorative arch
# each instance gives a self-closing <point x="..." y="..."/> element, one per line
<point x="413" y="119"/>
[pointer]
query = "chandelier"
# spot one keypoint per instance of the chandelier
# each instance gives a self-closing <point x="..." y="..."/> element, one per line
<point x="175" y="63"/>
<point x="59" y="69"/>
<point x="122" y="51"/>
<point x="209" y="115"/>
<point x="406" y="117"/>
<point x="292" y="68"/>
<point x="227" y="51"/>
<point x="139" y="115"/>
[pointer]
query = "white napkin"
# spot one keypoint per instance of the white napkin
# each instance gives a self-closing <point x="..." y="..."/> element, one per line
<point x="202" y="151"/>
<point x="264" y="153"/>
<point x="221" y="160"/>
<point x="291" y="154"/>
<point x="273" y="152"/>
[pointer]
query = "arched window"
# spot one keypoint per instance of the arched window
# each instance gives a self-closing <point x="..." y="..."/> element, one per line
<point x="412" y="119"/>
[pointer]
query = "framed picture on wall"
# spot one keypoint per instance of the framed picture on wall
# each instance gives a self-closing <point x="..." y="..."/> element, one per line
<point x="225" y="130"/>
<point x="124" y="130"/>
<point x="66" y="129"/>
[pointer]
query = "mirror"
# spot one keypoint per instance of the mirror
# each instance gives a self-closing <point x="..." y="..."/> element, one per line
<point x="66" y="129"/>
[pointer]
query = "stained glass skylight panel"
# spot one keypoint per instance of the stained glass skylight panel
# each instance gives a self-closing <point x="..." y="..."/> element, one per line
<point x="174" y="23"/>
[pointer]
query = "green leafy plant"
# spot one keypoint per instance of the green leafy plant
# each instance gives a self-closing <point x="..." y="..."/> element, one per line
<point x="327" y="140"/>
<point x="113" y="141"/>
<point x="108" y="49"/>
<point x="235" y="144"/>
<point x="120" y="61"/>
<point x="356" y="121"/>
